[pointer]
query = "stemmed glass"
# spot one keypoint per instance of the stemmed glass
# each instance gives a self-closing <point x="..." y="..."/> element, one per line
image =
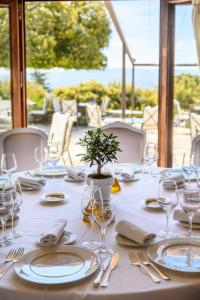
<point x="12" y="199"/>
<point x="168" y="198"/>
<point x="87" y="202"/>
<point x="103" y="215"/>
<point x="8" y="164"/>
<point x="54" y="156"/>
<point x="195" y="165"/>
<point x="150" y="156"/>
<point x="190" y="203"/>
<point x="187" y="166"/>
<point x="4" y="215"/>
<point x="41" y="157"/>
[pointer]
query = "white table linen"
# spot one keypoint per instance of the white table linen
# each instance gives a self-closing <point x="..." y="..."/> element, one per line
<point x="127" y="282"/>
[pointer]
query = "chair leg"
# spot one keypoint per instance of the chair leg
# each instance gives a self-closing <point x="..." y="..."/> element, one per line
<point x="70" y="159"/>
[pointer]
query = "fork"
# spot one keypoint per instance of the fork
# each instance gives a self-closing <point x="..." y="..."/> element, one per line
<point x="136" y="262"/>
<point x="146" y="262"/>
<point x="12" y="257"/>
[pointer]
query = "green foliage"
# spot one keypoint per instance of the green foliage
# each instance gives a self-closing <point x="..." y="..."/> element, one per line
<point x="5" y="89"/>
<point x="99" y="147"/>
<point x="36" y="93"/>
<point x="187" y="89"/>
<point x="40" y="78"/>
<point x="4" y="38"/>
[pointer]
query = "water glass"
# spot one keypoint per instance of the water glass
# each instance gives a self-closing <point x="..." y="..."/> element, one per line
<point x="4" y="215"/>
<point x="151" y="155"/>
<point x="54" y="156"/>
<point x="41" y="157"/>
<point x="190" y="203"/>
<point x="8" y="164"/>
<point x="168" y="198"/>
<point x="187" y="166"/>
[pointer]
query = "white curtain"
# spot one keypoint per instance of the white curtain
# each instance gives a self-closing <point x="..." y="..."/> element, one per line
<point x="196" y="25"/>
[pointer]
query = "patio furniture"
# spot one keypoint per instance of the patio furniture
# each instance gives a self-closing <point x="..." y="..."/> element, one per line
<point x="60" y="133"/>
<point x="22" y="142"/>
<point x="56" y="105"/>
<point x="104" y="106"/>
<point x="150" y="117"/>
<point x="181" y="116"/>
<point x="94" y="115"/>
<point x="70" y="107"/>
<point x="132" y="142"/>
<point x="5" y="107"/>
<point x="194" y="125"/>
<point x="196" y="148"/>
<point x="42" y="112"/>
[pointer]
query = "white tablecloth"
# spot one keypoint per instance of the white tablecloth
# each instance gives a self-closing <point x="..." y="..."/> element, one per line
<point x="127" y="281"/>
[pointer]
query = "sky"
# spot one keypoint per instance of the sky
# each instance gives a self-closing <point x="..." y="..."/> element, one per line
<point x="139" y="20"/>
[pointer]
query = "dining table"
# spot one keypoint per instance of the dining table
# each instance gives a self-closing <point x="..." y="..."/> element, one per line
<point x="127" y="282"/>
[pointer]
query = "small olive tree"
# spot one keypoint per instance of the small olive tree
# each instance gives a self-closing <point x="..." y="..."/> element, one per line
<point x="99" y="147"/>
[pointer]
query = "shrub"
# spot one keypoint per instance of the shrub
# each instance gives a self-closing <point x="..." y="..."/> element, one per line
<point x="36" y="93"/>
<point x="5" y="89"/>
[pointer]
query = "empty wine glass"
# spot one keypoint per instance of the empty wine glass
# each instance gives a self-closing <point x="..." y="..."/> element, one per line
<point x="54" y="156"/>
<point x="103" y="215"/>
<point x="187" y="165"/>
<point x="190" y="203"/>
<point x="195" y="165"/>
<point x="150" y="156"/>
<point x="87" y="202"/>
<point x="4" y="215"/>
<point x="168" y="198"/>
<point x="8" y="164"/>
<point x="12" y="199"/>
<point x="41" y="157"/>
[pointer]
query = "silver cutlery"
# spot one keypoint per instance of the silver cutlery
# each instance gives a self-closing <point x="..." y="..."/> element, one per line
<point x="147" y="262"/>
<point x="136" y="262"/>
<point x="113" y="264"/>
<point x="103" y="268"/>
<point x="12" y="257"/>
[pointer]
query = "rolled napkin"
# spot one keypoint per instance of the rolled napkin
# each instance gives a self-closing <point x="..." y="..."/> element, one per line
<point x="127" y="174"/>
<point x="35" y="183"/>
<point x="181" y="216"/>
<point x="54" y="234"/>
<point x="76" y="173"/>
<point x="179" y="179"/>
<point x="134" y="233"/>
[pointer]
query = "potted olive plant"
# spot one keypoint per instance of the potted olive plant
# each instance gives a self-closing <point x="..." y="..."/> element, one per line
<point x="100" y="148"/>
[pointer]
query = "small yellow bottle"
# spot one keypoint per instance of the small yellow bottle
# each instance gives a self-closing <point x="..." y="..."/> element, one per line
<point x="116" y="186"/>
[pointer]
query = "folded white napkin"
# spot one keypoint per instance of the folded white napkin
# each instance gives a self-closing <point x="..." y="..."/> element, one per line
<point x="36" y="183"/>
<point x="135" y="233"/>
<point x="76" y="173"/>
<point x="180" y="215"/>
<point x="53" y="235"/>
<point x="179" y="179"/>
<point x="127" y="174"/>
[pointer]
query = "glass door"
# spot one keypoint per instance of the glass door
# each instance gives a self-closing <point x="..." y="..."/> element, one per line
<point x="5" y="70"/>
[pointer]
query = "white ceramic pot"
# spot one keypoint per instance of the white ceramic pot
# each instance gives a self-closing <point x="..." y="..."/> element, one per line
<point x="104" y="184"/>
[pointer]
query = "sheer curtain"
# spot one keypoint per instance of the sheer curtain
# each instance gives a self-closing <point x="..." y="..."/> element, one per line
<point x="196" y="24"/>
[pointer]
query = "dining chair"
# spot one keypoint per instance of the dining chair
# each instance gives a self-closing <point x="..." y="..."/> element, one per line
<point x="132" y="141"/>
<point x="70" y="107"/>
<point x="180" y="115"/>
<point x="150" y="117"/>
<point x="94" y="115"/>
<point x="195" y="148"/>
<point x="60" y="133"/>
<point x="194" y="125"/>
<point x="22" y="142"/>
<point x="56" y="105"/>
<point x="104" y="106"/>
<point x="41" y="112"/>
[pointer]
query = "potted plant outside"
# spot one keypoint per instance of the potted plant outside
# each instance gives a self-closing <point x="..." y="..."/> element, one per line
<point x="100" y="148"/>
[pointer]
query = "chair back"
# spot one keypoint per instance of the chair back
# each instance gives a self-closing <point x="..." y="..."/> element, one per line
<point x="70" y="107"/>
<point x="196" y="148"/>
<point x="46" y="103"/>
<point x="150" y="117"/>
<point x="132" y="142"/>
<point x="56" y="105"/>
<point x="194" y="125"/>
<point x="94" y="115"/>
<point x="57" y="128"/>
<point x="22" y="142"/>
<point x="104" y="105"/>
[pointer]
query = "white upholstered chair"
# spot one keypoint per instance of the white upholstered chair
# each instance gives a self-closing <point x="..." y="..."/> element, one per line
<point x="22" y="142"/>
<point x="42" y="112"/>
<point x="70" y="108"/>
<point x="56" y="105"/>
<point x="94" y="115"/>
<point x="132" y="142"/>
<point x="150" y="117"/>
<point x="194" y="125"/>
<point x="196" y="148"/>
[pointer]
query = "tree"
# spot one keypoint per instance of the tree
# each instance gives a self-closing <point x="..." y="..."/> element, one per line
<point x="69" y="34"/>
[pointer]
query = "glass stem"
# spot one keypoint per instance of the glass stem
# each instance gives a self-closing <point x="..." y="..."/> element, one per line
<point x="189" y="180"/>
<point x="190" y="217"/>
<point x="103" y="235"/>
<point x="3" y="223"/>
<point x="12" y="220"/>
<point x="167" y="219"/>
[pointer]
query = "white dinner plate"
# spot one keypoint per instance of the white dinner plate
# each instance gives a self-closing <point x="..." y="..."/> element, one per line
<point x="178" y="254"/>
<point x="53" y="200"/>
<point x="177" y="172"/>
<point x="57" y="266"/>
<point x="152" y="204"/>
<point x="49" y="172"/>
<point x="67" y="239"/>
<point x="71" y="179"/>
<point x="122" y="179"/>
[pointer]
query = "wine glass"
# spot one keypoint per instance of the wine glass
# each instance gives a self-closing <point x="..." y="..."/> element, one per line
<point x="41" y="157"/>
<point x="8" y="164"/>
<point x="12" y="199"/>
<point x="190" y="203"/>
<point x="103" y="214"/>
<point x="195" y="165"/>
<point x="168" y="198"/>
<point x="150" y="156"/>
<point x="87" y="201"/>
<point x="4" y="215"/>
<point x="54" y="156"/>
<point x="187" y="165"/>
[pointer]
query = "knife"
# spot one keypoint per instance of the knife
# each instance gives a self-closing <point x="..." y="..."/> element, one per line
<point x="103" y="268"/>
<point x="113" y="264"/>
